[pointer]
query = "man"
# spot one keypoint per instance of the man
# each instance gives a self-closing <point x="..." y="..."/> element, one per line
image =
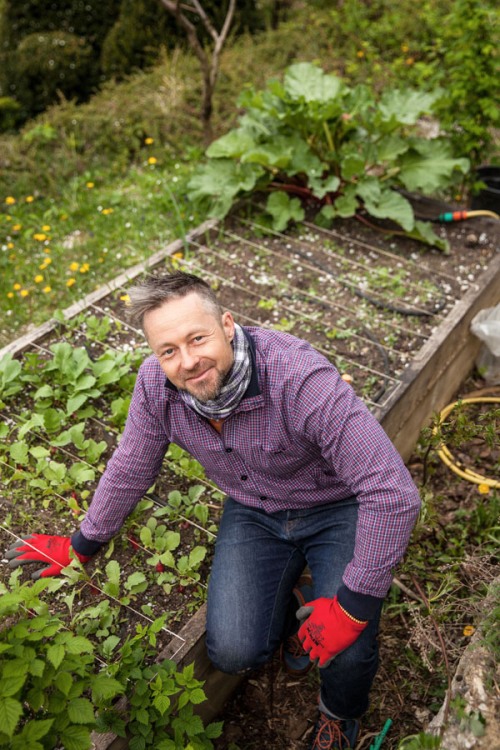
<point x="310" y="477"/>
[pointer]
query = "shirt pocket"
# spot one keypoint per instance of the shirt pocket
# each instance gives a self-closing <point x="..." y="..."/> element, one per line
<point x="280" y="458"/>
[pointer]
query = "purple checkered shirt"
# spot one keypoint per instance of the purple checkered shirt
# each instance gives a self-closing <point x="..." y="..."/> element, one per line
<point x="303" y="438"/>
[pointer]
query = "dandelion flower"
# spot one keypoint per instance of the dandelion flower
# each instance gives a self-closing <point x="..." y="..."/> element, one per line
<point x="17" y="227"/>
<point x="149" y="141"/>
<point x="469" y="630"/>
<point x="29" y="199"/>
<point x="84" y="268"/>
<point x="90" y="185"/>
<point x="125" y="298"/>
<point x="74" y="266"/>
<point x="10" y="295"/>
<point x="107" y="211"/>
<point x="483" y="489"/>
<point x="10" y="200"/>
<point x="70" y="282"/>
<point x="38" y="278"/>
<point x="24" y="292"/>
<point x="178" y="256"/>
<point x="46" y="249"/>
<point x="360" y="53"/>
<point x="40" y="237"/>
<point x="152" y="160"/>
<point x="46" y="289"/>
<point x="410" y="60"/>
<point x="10" y="245"/>
<point x="16" y="287"/>
<point x="46" y="228"/>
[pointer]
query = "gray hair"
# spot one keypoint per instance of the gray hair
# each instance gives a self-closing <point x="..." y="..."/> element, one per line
<point x="155" y="291"/>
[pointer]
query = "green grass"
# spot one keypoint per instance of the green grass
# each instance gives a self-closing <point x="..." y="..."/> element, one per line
<point x="54" y="251"/>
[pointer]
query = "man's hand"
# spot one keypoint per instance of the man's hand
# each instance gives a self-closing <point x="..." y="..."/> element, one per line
<point x="327" y="629"/>
<point x="53" y="550"/>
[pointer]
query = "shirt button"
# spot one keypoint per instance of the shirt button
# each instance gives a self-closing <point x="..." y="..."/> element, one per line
<point x="229" y="450"/>
<point x="244" y="477"/>
<point x="263" y="497"/>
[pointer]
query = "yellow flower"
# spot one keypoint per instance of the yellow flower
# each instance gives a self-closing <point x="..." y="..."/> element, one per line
<point x="46" y="249"/>
<point x="469" y="630"/>
<point x="46" y="289"/>
<point x="29" y="199"/>
<point x="74" y="266"/>
<point x="10" y="295"/>
<point x="16" y="287"/>
<point x="149" y="141"/>
<point x="10" y="200"/>
<point x="90" y="185"/>
<point x="84" y="268"/>
<point x="107" y="211"/>
<point x="101" y="260"/>
<point x="404" y="48"/>
<point x="24" y="292"/>
<point x="178" y="256"/>
<point x="17" y="227"/>
<point x="70" y="282"/>
<point x="125" y="298"/>
<point x="360" y="53"/>
<point x="152" y="160"/>
<point x="40" y="237"/>
<point x="483" y="489"/>
<point x="8" y="218"/>
<point x="46" y="228"/>
<point x="38" y="278"/>
<point x="10" y="245"/>
<point x="410" y="60"/>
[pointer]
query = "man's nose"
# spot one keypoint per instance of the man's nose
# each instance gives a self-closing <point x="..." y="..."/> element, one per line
<point x="189" y="359"/>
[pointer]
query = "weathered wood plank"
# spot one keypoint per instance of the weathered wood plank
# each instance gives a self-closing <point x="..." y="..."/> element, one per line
<point x="439" y="367"/>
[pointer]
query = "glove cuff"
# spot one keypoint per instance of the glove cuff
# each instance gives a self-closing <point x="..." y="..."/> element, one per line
<point x="84" y="548"/>
<point x="360" y="607"/>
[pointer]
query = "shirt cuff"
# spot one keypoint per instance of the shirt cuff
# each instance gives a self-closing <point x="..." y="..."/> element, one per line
<point x="85" y="546"/>
<point x="360" y="606"/>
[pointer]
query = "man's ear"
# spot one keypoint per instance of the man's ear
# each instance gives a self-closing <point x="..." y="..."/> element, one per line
<point x="228" y="325"/>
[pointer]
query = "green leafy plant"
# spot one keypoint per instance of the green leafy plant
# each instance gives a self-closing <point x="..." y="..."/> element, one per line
<point x="47" y="674"/>
<point x="313" y="140"/>
<point x="160" y="711"/>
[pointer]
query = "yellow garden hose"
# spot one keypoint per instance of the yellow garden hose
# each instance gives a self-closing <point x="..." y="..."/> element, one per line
<point x="445" y="454"/>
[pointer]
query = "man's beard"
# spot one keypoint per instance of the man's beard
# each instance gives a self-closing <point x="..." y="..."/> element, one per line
<point x="204" y="392"/>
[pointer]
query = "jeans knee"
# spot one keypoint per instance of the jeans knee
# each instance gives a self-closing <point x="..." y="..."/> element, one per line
<point x="234" y="658"/>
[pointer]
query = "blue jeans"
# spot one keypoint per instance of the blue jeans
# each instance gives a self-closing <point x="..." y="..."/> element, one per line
<point x="258" y="559"/>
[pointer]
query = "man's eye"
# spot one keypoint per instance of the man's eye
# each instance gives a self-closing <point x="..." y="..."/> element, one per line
<point x="198" y="338"/>
<point x="167" y="353"/>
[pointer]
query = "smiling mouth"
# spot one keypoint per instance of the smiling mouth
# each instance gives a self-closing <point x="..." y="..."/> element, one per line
<point x="195" y="378"/>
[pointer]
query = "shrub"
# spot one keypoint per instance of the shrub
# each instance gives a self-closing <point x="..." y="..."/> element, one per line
<point x="48" y="65"/>
<point x="468" y="74"/>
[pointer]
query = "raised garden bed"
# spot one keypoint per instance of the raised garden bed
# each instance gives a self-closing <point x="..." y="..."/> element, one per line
<point x="393" y="317"/>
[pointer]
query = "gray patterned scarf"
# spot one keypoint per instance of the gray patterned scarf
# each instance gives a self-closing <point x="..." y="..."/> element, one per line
<point x="235" y="384"/>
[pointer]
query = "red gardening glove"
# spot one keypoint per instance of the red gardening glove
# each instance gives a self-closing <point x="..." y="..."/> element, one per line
<point x="54" y="550"/>
<point x="327" y="629"/>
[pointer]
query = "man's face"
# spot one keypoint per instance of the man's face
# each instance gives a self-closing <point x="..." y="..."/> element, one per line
<point x="193" y="345"/>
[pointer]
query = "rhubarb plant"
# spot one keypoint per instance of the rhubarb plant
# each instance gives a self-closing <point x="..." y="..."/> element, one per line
<point x="314" y="142"/>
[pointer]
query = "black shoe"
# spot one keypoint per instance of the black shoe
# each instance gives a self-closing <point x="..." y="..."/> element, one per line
<point x="334" y="734"/>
